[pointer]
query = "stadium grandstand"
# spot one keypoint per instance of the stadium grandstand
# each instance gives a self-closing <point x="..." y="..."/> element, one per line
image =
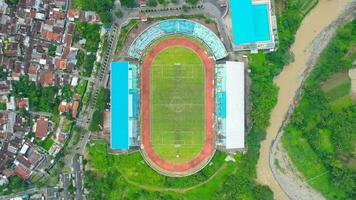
<point x="177" y="26"/>
<point x="124" y="98"/>
<point x="230" y="105"/>
<point x="254" y="25"/>
<point x="228" y="93"/>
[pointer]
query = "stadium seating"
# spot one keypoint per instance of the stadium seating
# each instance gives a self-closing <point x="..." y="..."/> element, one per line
<point x="178" y="26"/>
<point x="220" y="103"/>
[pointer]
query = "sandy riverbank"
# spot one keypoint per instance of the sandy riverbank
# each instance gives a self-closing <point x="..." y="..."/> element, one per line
<point x="289" y="80"/>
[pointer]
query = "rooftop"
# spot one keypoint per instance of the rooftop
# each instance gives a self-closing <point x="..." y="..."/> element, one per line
<point x="250" y="21"/>
<point x="41" y="127"/>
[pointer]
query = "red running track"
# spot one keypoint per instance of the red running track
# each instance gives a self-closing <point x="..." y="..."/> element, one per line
<point x="208" y="148"/>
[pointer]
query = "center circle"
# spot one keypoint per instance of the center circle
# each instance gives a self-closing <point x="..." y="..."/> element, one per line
<point x="177" y="104"/>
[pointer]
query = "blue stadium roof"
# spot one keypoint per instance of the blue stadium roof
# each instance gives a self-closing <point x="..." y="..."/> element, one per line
<point x="119" y="105"/>
<point x="250" y="23"/>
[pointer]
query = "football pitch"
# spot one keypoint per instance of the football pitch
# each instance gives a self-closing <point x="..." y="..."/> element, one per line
<point x="177" y="104"/>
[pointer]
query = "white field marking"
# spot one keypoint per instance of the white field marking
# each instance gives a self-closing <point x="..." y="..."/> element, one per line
<point x="166" y="70"/>
<point x="182" y="142"/>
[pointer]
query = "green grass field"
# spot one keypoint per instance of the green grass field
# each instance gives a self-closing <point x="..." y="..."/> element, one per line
<point x="177" y="104"/>
<point x="337" y="91"/>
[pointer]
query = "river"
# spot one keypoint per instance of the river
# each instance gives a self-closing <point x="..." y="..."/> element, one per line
<point x="289" y="80"/>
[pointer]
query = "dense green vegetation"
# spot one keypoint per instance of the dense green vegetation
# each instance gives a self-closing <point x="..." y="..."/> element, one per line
<point x="85" y="63"/>
<point x="102" y="7"/>
<point x="128" y="3"/>
<point x="52" y="50"/>
<point x="77" y="131"/>
<point x="12" y="3"/>
<point x="41" y="98"/>
<point x="125" y="30"/>
<point x="118" y="171"/>
<point x="320" y="137"/>
<point x="118" y="13"/>
<point x="86" y="57"/>
<point x="192" y="2"/>
<point x="89" y="32"/>
<point x="16" y="184"/>
<point x="237" y="182"/>
<point x="152" y="3"/>
<point x="88" y="65"/>
<point x="100" y="105"/>
<point x="102" y="99"/>
<point x="4" y="73"/>
<point x="47" y="143"/>
<point x="2" y="105"/>
<point x="66" y="92"/>
<point x="80" y="59"/>
<point x="81" y="87"/>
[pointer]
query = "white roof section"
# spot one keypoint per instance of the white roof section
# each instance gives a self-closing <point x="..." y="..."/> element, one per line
<point x="24" y="149"/>
<point x="235" y="105"/>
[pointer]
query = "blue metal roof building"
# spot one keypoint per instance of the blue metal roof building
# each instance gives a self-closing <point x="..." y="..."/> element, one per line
<point x="124" y="103"/>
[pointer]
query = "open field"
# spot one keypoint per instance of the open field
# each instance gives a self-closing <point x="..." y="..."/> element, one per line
<point x="177" y="104"/>
<point x="129" y="176"/>
<point x="337" y="90"/>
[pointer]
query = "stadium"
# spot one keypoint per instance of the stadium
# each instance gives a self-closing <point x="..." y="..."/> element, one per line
<point x="177" y="99"/>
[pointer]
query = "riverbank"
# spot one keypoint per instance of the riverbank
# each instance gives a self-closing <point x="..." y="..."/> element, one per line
<point x="290" y="79"/>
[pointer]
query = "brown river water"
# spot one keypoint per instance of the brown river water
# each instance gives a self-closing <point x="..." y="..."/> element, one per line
<point x="289" y="80"/>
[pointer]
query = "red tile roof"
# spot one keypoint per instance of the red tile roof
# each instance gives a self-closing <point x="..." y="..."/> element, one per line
<point x="64" y="107"/>
<point x="62" y="136"/>
<point x="72" y="13"/>
<point x="76" y="96"/>
<point x="16" y="74"/>
<point x="22" y="172"/>
<point x="21" y="103"/>
<point x="46" y="78"/>
<point x="32" y="69"/>
<point x="7" y="172"/>
<point x="51" y="36"/>
<point x="68" y="39"/>
<point x="58" y="14"/>
<point x="60" y="63"/>
<point x="75" y="109"/>
<point x="41" y="127"/>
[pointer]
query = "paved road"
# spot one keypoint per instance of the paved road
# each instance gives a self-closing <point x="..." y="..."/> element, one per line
<point x="78" y="173"/>
<point x="65" y="183"/>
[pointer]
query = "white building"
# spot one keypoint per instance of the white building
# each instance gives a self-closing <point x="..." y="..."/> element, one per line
<point x="230" y="105"/>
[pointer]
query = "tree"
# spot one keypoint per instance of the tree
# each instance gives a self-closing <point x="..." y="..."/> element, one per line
<point x="152" y="3"/>
<point x="52" y="50"/>
<point x="128" y="3"/>
<point x="102" y="7"/>
<point x="4" y="73"/>
<point x="163" y="2"/>
<point x="118" y="13"/>
<point x="97" y="120"/>
<point x="12" y="3"/>
<point x="192" y="2"/>
<point x="185" y="8"/>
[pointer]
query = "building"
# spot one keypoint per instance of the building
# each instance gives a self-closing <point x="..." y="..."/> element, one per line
<point x="254" y="25"/>
<point x="41" y="127"/>
<point x="230" y="106"/>
<point x="124" y="105"/>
